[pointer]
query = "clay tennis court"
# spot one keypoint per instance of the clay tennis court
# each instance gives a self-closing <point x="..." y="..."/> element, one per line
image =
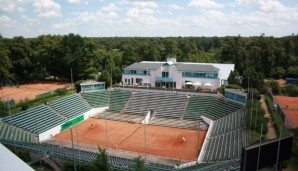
<point x="290" y="107"/>
<point x="161" y="141"/>
<point x="29" y="91"/>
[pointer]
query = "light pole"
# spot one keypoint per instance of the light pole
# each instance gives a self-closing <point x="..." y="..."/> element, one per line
<point x="145" y="137"/>
<point x="78" y="142"/>
<point x="71" y="78"/>
<point x="9" y="107"/>
<point x="73" y="152"/>
<point x="111" y="78"/>
<point x="107" y="136"/>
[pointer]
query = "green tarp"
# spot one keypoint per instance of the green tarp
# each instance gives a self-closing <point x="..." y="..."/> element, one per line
<point x="72" y="122"/>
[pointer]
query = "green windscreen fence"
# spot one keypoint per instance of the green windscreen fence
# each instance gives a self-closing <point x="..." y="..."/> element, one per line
<point x="72" y="122"/>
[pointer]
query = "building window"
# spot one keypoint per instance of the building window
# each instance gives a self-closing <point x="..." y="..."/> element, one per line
<point x="139" y="80"/>
<point x="199" y="75"/>
<point x="125" y="80"/>
<point x="136" y="72"/>
<point x="165" y="74"/>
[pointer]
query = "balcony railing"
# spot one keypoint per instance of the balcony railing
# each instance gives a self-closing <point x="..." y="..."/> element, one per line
<point x="164" y="79"/>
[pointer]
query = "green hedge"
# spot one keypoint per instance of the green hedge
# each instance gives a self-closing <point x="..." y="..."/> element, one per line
<point x="37" y="101"/>
<point x="279" y="123"/>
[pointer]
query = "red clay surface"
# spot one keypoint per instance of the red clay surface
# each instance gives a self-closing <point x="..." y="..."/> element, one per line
<point x="28" y="91"/>
<point x="161" y="141"/>
<point x="290" y="106"/>
<point x="287" y="102"/>
<point x="282" y="82"/>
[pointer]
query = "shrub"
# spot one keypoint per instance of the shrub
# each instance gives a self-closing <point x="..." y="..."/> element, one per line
<point x="61" y="91"/>
<point x="78" y="86"/>
<point x="279" y="124"/>
<point x="234" y="86"/>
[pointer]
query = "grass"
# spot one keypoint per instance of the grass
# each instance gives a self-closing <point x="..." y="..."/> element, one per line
<point x="279" y="124"/>
<point x="293" y="163"/>
<point x="254" y="137"/>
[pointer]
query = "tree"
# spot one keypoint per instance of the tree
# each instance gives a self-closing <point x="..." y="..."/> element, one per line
<point x="20" y="53"/>
<point x="5" y="63"/>
<point x="139" y="164"/>
<point x="48" y="55"/>
<point x="106" y="77"/>
<point x="293" y="71"/>
<point x="234" y="77"/>
<point x="102" y="160"/>
<point x="3" y="111"/>
<point x="254" y="78"/>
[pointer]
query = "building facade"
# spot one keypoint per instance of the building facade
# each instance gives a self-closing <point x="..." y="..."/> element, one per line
<point x="173" y="74"/>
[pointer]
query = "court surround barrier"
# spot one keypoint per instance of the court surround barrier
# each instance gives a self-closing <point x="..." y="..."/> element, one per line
<point x="76" y="120"/>
<point x="72" y="122"/>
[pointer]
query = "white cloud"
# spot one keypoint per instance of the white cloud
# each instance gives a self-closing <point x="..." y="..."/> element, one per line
<point x="263" y="5"/>
<point x="7" y="22"/>
<point x="91" y="18"/>
<point x="78" y="1"/>
<point x="4" y="19"/>
<point x="74" y="1"/>
<point x="136" y="12"/>
<point x="21" y="9"/>
<point x="11" y="6"/>
<point x="110" y="7"/>
<point x="204" y="4"/>
<point x="175" y="7"/>
<point x="143" y="4"/>
<point x="47" y="8"/>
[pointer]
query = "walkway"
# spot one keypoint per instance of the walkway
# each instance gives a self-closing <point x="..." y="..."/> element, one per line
<point x="271" y="134"/>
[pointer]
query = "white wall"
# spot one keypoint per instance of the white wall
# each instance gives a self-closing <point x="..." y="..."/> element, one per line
<point x="52" y="132"/>
<point x="147" y="117"/>
<point x="49" y="133"/>
<point x="94" y="111"/>
<point x="203" y="149"/>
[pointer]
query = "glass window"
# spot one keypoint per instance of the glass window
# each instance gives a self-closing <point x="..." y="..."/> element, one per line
<point x="165" y="74"/>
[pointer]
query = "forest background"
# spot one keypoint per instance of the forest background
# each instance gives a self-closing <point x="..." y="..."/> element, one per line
<point x="24" y="60"/>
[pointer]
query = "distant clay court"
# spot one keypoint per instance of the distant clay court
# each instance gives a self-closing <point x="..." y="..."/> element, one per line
<point x="29" y="91"/>
<point x="172" y="143"/>
<point x="290" y="107"/>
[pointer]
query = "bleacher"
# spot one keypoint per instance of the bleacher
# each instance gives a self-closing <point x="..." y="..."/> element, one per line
<point x="97" y="98"/>
<point x="197" y="105"/>
<point x="36" y="120"/>
<point x="230" y="122"/>
<point x="118" y="100"/>
<point x="215" y="166"/>
<point x="225" y="146"/>
<point x="70" y="106"/>
<point x="227" y="138"/>
<point x="10" y="132"/>
<point x="166" y="105"/>
<point x="221" y="108"/>
<point x="119" y="163"/>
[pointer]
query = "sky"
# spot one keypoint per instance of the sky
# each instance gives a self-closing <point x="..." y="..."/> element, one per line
<point x="145" y="18"/>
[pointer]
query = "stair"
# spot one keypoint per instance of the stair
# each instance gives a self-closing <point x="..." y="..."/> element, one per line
<point x="126" y="104"/>
<point x="184" y="109"/>
<point x="51" y="163"/>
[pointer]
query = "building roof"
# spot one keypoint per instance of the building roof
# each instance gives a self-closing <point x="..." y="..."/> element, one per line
<point x="181" y="66"/>
<point x="145" y="66"/>
<point x="196" y="67"/>
<point x="91" y="82"/>
<point x="10" y="161"/>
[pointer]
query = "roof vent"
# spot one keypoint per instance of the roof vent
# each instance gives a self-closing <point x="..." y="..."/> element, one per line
<point x="171" y="60"/>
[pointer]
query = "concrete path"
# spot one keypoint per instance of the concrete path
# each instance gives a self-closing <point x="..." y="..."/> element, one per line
<point x="271" y="134"/>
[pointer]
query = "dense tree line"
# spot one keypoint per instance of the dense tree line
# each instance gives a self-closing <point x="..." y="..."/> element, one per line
<point x="24" y="60"/>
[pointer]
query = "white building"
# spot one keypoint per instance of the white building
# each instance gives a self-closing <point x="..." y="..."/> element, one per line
<point x="178" y="74"/>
